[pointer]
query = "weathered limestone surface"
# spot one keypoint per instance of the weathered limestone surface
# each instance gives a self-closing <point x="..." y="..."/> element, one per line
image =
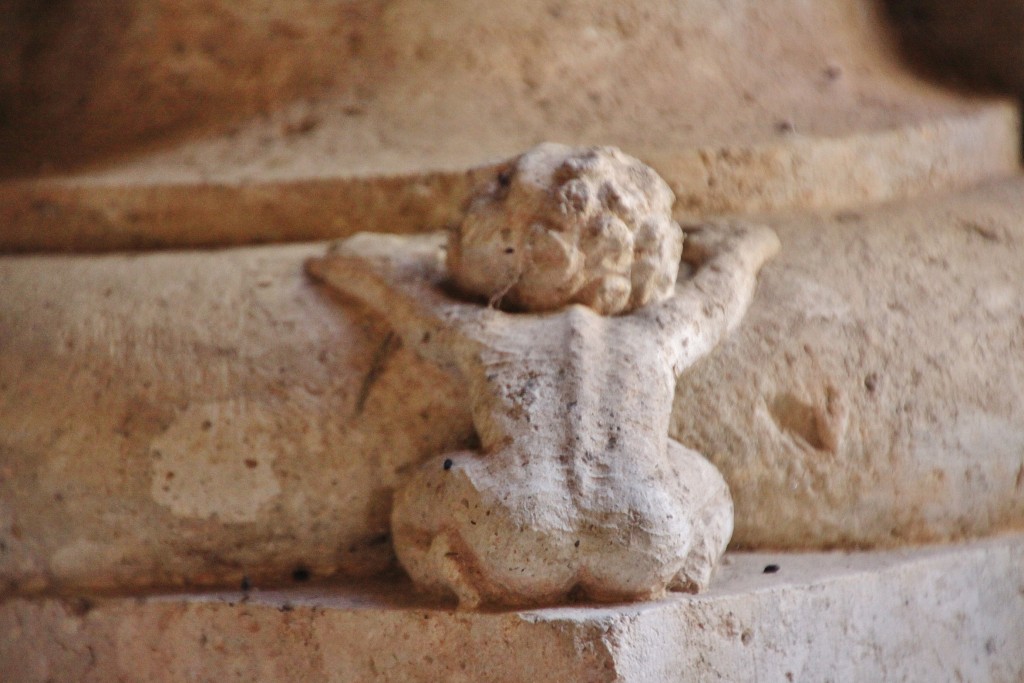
<point x="950" y="613"/>
<point x="576" y="488"/>
<point x="873" y="394"/>
<point x="193" y="418"/>
<point x="932" y="451"/>
<point x="741" y="106"/>
<point x="179" y="419"/>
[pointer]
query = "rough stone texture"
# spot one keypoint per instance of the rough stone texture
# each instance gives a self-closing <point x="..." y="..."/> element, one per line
<point x="54" y="216"/>
<point x="873" y="394"/>
<point x="934" y="614"/>
<point x="933" y="451"/>
<point x="561" y="225"/>
<point x="741" y="106"/>
<point x="576" y="488"/>
<point x="182" y="419"/>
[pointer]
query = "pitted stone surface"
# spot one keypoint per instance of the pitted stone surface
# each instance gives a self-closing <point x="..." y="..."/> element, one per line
<point x="168" y="419"/>
<point x="560" y="225"/>
<point x="743" y="107"/>
<point x="872" y="396"/>
<point x="576" y="489"/>
<point x="138" y="342"/>
<point x="929" y="614"/>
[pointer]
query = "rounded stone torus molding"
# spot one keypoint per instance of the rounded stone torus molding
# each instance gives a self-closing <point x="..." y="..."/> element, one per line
<point x="169" y="419"/>
<point x="872" y="396"/>
<point x="868" y="400"/>
<point x="742" y="107"/>
<point x="559" y="225"/>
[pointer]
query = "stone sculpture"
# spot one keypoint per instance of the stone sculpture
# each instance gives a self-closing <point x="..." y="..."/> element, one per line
<point x="576" y="491"/>
<point x="559" y="226"/>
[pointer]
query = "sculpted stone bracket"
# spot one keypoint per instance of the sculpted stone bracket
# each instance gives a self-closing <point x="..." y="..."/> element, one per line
<point x="577" y="491"/>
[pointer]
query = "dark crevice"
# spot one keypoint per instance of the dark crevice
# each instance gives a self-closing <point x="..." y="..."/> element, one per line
<point x="976" y="47"/>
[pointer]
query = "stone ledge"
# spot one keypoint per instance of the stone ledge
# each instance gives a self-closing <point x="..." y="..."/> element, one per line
<point x="741" y="106"/>
<point x="923" y="614"/>
<point x="168" y="208"/>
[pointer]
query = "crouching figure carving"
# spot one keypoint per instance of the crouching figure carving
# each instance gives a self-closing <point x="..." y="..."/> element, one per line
<point x="558" y="301"/>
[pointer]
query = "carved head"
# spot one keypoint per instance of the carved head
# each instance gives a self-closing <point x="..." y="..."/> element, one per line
<point x="561" y="225"/>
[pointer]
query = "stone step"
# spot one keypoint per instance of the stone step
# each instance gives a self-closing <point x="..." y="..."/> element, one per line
<point x="938" y="613"/>
<point x="189" y="418"/>
<point x="743" y="107"/>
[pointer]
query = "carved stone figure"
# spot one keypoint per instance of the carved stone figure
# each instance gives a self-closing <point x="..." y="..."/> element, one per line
<point x="576" y="489"/>
<point x="557" y="226"/>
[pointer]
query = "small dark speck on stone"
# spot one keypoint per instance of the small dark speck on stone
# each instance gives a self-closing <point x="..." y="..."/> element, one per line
<point x="771" y="568"/>
<point x="300" y="574"/>
<point x="287" y="607"/>
<point x="246" y="584"/>
<point x="448" y="464"/>
<point x="81" y="606"/>
<point x="577" y="544"/>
